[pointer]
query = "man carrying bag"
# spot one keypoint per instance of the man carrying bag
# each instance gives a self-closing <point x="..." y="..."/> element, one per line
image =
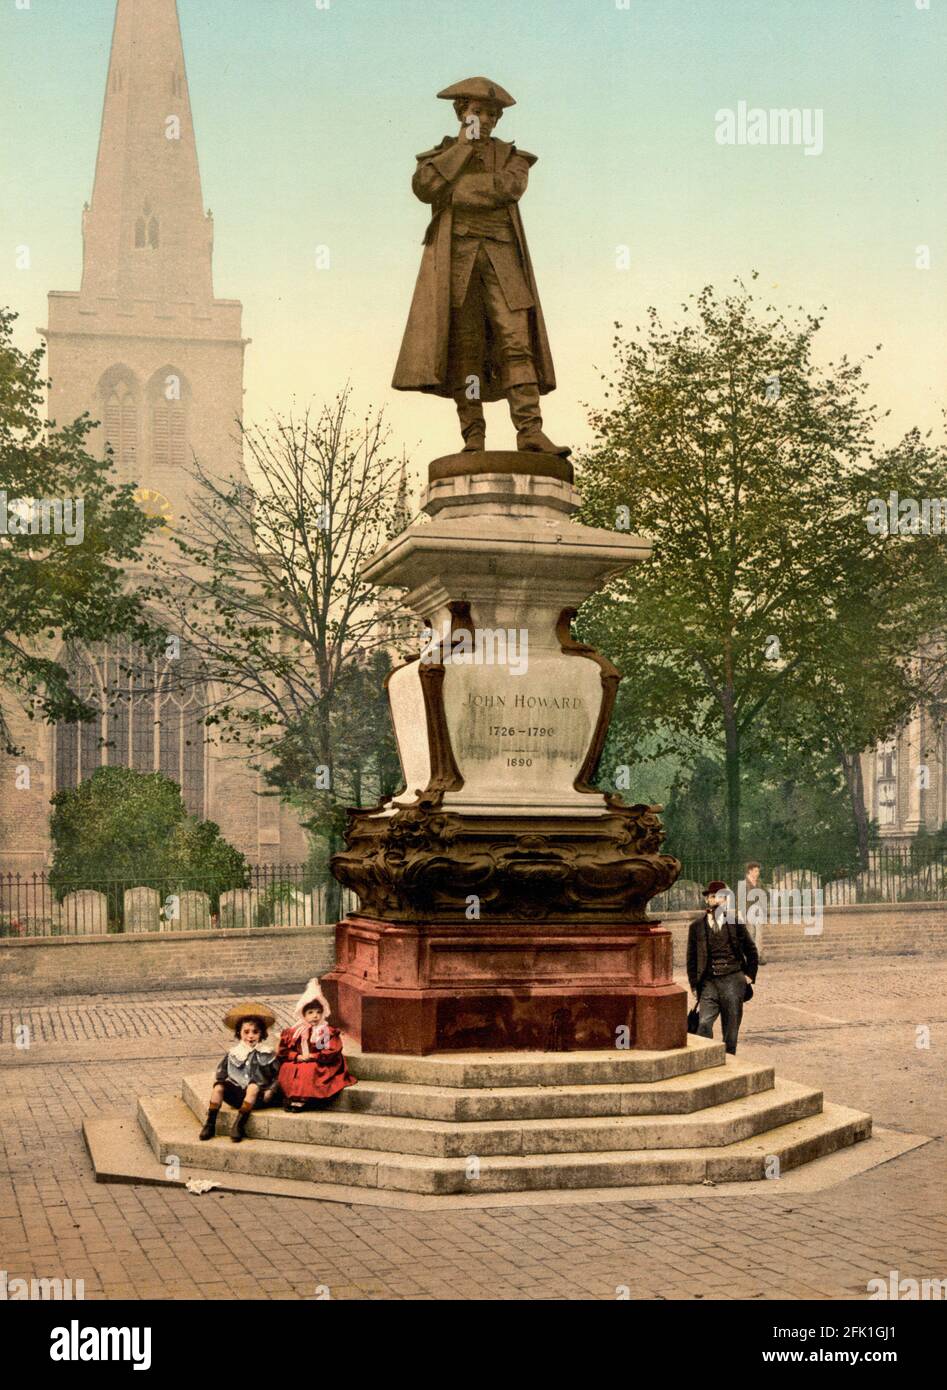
<point x="722" y="962"/>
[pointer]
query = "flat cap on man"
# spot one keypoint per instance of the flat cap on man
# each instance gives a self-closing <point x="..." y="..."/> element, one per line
<point x="478" y="89"/>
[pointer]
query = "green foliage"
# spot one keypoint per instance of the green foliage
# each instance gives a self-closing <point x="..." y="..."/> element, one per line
<point x="750" y="468"/>
<point x="355" y="726"/>
<point x="133" y="827"/>
<point x="51" y="589"/>
<point x="795" y="816"/>
<point x="195" y="856"/>
<point x="317" y="863"/>
<point x="273" y="896"/>
<point x="929" y="847"/>
<point x="115" y="824"/>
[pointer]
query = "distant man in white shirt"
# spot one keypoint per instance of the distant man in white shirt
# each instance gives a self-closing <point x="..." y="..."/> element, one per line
<point x="751" y="903"/>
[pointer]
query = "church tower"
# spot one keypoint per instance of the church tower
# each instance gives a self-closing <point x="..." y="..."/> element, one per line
<point x="143" y="344"/>
<point x="145" y="347"/>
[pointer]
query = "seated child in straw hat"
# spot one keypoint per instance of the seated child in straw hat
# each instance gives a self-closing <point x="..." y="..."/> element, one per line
<point x="312" y="1067"/>
<point x="247" y="1073"/>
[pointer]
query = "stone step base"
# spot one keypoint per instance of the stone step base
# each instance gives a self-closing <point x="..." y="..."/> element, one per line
<point x="492" y="1069"/>
<point x="120" y="1153"/>
<point x="171" y="1128"/>
<point x="721" y="1124"/>
<point x="675" y="1095"/>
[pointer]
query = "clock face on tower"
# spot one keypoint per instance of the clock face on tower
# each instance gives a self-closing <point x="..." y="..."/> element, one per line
<point x="154" y="503"/>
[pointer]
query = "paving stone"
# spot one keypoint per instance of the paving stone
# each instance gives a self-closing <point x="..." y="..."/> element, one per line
<point x="825" y="1244"/>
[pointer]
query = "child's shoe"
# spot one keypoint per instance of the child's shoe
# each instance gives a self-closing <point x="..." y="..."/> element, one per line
<point x="210" y="1124"/>
<point x="239" y="1126"/>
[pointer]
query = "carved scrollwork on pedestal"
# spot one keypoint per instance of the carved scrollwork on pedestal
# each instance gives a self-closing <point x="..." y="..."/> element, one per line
<point x="422" y="861"/>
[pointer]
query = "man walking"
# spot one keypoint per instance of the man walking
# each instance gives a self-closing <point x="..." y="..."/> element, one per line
<point x="722" y="962"/>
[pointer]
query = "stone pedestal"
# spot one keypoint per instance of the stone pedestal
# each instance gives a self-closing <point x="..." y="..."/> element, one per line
<point x="503" y="898"/>
<point x="418" y="988"/>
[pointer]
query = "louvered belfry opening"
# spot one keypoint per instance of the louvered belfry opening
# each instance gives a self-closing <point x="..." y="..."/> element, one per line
<point x="120" y="421"/>
<point x="169" y="437"/>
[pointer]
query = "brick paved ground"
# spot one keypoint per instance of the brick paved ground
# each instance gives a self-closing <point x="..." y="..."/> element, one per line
<point x="850" y="1027"/>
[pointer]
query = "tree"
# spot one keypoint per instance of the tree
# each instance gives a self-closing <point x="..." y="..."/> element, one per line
<point x="798" y="813"/>
<point x="121" y="828"/>
<point x="366" y="765"/>
<point x="265" y="582"/>
<point x="66" y="531"/>
<point x="196" y="856"/>
<point x="750" y="468"/>
<point x="877" y="652"/>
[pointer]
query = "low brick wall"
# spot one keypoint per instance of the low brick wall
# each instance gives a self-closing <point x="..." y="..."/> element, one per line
<point x="866" y="929"/>
<point x="281" y="959"/>
<point x="35" y="969"/>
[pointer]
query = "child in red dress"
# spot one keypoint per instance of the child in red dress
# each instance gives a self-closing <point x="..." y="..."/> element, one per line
<point x="312" y="1067"/>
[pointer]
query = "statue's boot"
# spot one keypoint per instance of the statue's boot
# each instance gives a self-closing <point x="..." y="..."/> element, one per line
<point x="472" y="424"/>
<point x="526" y="416"/>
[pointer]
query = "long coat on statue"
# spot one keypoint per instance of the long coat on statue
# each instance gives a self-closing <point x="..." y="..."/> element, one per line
<point x="423" y="360"/>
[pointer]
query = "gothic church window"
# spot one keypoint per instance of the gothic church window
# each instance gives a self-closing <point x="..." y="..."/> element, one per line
<point x="150" y="718"/>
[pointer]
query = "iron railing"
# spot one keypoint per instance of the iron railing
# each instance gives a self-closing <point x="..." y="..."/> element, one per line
<point x="273" y="895"/>
<point x="894" y="873"/>
<point x="291" y="895"/>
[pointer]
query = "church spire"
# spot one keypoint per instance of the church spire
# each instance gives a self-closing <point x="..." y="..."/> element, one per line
<point x="146" y="235"/>
<point x="402" y="510"/>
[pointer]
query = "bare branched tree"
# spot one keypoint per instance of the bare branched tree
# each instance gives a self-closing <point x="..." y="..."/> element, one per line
<point x="263" y="579"/>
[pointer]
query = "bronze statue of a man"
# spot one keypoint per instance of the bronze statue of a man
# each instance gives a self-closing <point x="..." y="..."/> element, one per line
<point x="475" y="329"/>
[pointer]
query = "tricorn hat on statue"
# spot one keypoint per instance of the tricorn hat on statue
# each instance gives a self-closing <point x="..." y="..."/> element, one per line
<point x="478" y="89"/>
<point x="258" y="1012"/>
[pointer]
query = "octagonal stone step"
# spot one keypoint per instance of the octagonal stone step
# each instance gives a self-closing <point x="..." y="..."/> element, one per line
<point x="493" y="1069"/>
<point x="170" y="1127"/>
<point x="718" y="1125"/>
<point x="675" y="1095"/>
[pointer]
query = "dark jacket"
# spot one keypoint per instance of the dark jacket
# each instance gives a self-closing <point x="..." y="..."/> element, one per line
<point x="698" y="950"/>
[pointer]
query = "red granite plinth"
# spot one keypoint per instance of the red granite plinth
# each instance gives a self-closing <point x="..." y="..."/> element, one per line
<point x="417" y="988"/>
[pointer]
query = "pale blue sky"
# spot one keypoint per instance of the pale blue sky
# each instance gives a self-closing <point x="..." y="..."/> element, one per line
<point x="307" y="121"/>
